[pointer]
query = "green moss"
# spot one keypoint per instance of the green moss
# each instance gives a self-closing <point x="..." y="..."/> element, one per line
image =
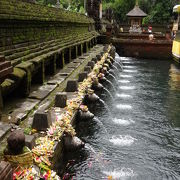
<point x="11" y="9"/>
<point x="19" y="73"/>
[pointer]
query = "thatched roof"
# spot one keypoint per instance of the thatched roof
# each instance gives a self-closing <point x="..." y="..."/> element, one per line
<point x="136" y="12"/>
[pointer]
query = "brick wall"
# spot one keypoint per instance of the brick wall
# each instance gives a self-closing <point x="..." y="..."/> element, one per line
<point x="158" y="49"/>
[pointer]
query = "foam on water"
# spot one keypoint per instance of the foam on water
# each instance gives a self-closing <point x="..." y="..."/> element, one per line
<point x="125" y="76"/>
<point x="123" y="106"/>
<point x="130" y="71"/>
<point x="120" y="140"/>
<point x="122" y="173"/>
<point x="129" y="67"/>
<point x="123" y="122"/>
<point x="123" y="95"/>
<point x="124" y="81"/>
<point x="126" y="87"/>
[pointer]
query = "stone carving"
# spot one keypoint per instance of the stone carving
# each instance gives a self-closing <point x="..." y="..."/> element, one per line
<point x="93" y="11"/>
<point x="16" y="142"/>
<point x="135" y="29"/>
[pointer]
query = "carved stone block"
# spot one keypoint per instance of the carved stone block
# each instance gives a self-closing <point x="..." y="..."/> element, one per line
<point x="82" y="76"/>
<point x="41" y="121"/>
<point x="61" y="99"/>
<point x="72" y="86"/>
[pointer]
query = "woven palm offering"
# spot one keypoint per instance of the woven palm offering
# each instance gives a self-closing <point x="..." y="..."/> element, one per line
<point x="24" y="159"/>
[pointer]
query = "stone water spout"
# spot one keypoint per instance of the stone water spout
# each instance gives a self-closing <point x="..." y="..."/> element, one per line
<point x="72" y="143"/>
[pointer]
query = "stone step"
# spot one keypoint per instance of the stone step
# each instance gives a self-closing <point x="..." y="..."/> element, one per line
<point x="46" y="50"/>
<point x="2" y="58"/>
<point x="5" y="72"/>
<point x="4" y="65"/>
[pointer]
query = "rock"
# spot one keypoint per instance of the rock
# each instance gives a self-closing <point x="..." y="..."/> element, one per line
<point x="91" y="63"/>
<point x="87" y="69"/>
<point x="72" y="86"/>
<point x="97" y="86"/>
<point x="112" y="51"/>
<point x="94" y="59"/>
<point x="72" y="143"/>
<point x="85" y="115"/>
<point x="98" y="57"/>
<point x="91" y="98"/>
<point x="82" y="76"/>
<point x="102" y="80"/>
<point x="16" y="142"/>
<point x="105" y="48"/>
<point x="102" y="53"/>
<point x="41" y="121"/>
<point x="6" y="171"/>
<point x="61" y="100"/>
<point x="30" y="141"/>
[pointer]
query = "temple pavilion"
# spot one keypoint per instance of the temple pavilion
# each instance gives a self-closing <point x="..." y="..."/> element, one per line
<point x="136" y="16"/>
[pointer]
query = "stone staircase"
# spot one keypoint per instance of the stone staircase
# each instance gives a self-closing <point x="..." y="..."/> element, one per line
<point x="5" y="68"/>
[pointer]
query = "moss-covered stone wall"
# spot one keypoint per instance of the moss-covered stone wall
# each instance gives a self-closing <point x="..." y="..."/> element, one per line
<point x="22" y="22"/>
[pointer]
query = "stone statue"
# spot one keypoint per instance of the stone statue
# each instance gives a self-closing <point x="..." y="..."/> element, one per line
<point x="16" y="143"/>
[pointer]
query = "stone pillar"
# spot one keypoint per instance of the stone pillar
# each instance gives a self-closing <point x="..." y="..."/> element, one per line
<point x="54" y="64"/>
<point x="40" y="76"/>
<point x="63" y="60"/>
<point x="81" y="49"/>
<point x="70" y="58"/>
<point x="76" y="47"/>
<point x="1" y="103"/>
<point x="61" y="100"/>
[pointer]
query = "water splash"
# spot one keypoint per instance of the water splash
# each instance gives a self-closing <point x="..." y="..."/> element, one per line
<point x="112" y="86"/>
<point x="127" y="87"/>
<point x="122" y="173"/>
<point x="123" y="106"/>
<point x="114" y="67"/>
<point x="126" y="76"/>
<point x="124" y="81"/>
<point x="108" y="92"/>
<point x="119" y="64"/>
<point x="90" y="148"/>
<point x="129" y="67"/>
<point x="120" y="140"/>
<point x="123" y="122"/>
<point x="114" y="78"/>
<point x="112" y="72"/>
<point x="130" y="71"/>
<point x="105" y="106"/>
<point x="101" y="125"/>
<point x="124" y="95"/>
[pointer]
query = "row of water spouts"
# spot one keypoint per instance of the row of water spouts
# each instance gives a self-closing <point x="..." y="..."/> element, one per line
<point x="102" y="84"/>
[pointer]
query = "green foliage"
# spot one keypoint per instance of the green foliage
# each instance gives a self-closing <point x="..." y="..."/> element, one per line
<point x="71" y="5"/>
<point x="159" y="11"/>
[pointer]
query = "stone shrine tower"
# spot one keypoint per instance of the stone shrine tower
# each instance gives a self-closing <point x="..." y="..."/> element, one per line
<point x="135" y="16"/>
<point x="94" y="10"/>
